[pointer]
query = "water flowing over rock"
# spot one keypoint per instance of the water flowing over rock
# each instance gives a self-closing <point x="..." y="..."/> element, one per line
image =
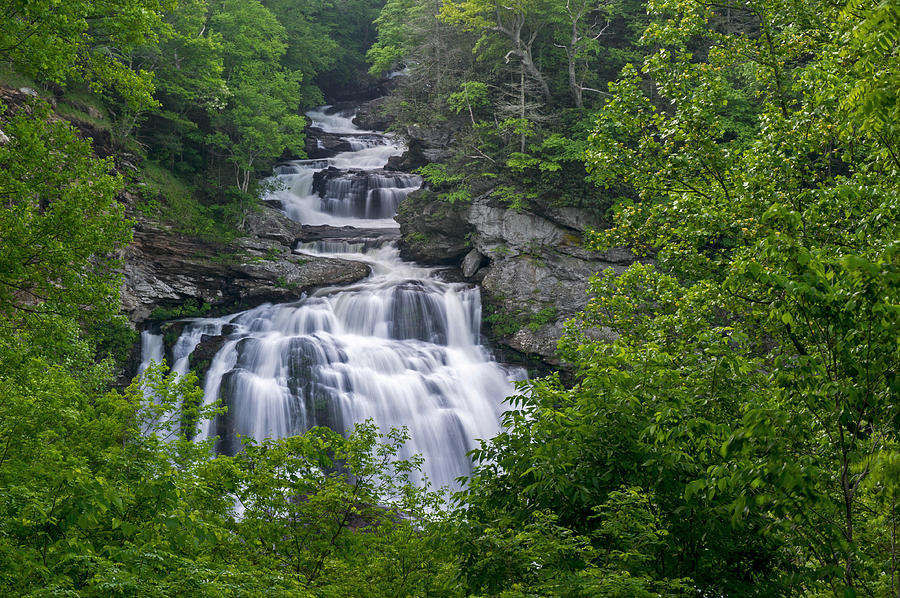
<point x="401" y="347"/>
<point x="367" y="194"/>
<point x="320" y="144"/>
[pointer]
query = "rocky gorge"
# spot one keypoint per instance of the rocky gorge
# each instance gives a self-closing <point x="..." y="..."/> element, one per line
<point x="322" y="323"/>
<point x="528" y="261"/>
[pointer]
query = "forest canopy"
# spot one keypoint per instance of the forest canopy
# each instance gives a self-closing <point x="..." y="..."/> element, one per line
<point x="739" y="437"/>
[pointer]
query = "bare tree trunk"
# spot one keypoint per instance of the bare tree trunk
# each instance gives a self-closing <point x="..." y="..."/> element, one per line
<point x="574" y="87"/>
<point x="522" y="50"/>
<point x="522" y="105"/>
<point x="535" y="73"/>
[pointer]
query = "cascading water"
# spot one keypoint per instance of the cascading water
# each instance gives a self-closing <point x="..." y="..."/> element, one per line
<point x="401" y="347"/>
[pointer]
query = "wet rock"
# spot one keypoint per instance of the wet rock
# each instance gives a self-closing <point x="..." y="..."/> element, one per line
<point x="320" y="144"/>
<point x="372" y="116"/>
<point x="433" y="231"/>
<point x="414" y="157"/>
<point x="271" y="224"/>
<point x="471" y="263"/>
<point x="434" y="141"/>
<point x="363" y="193"/>
<point x="322" y="232"/>
<point x="202" y="355"/>
<point x="324" y="176"/>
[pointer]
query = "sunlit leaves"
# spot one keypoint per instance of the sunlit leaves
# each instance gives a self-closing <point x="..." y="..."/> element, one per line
<point x="85" y="41"/>
<point x="790" y="227"/>
<point x="59" y="222"/>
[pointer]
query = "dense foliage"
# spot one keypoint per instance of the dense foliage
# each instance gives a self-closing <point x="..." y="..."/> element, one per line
<point x="740" y="435"/>
<point x="738" y="438"/>
<point x="516" y="85"/>
<point x="102" y="492"/>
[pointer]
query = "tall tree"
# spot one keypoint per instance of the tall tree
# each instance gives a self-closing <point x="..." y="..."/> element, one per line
<point x="187" y="65"/>
<point x="585" y="24"/>
<point x="737" y="436"/>
<point x="311" y="49"/>
<point x="518" y="23"/>
<point x="260" y="120"/>
<point x="790" y="218"/>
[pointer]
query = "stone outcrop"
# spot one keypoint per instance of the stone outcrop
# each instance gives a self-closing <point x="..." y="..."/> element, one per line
<point x="164" y="269"/>
<point x="433" y="143"/>
<point x="433" y="231"/>
<point x="320" y="144"/>
<point x="539" y="271"/>
<point x="530" y="263"/>
<point x="372" y="116"/>
<point x="413" y="158"/>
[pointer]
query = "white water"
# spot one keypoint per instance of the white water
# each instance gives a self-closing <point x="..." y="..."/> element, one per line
<point x="334" y="121"/>
<point x="400" y="347"/>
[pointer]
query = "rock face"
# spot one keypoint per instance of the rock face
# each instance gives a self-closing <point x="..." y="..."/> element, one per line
<point x="414" y="157"/>
<point x="531" y="264"/>
<point x="539" y="272"/>
<point x="371" y="116"/>
<point x="433" y="231"/>
<point x="163" y="269"/>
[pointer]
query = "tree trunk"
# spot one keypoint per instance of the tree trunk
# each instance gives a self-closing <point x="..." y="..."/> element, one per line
<point x="522" y="105"/>
<point x="574" y="87"/>
<point x="535" y="73"/>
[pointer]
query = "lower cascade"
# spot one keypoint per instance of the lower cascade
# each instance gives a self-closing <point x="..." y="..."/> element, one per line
<point x="401" y="348"/>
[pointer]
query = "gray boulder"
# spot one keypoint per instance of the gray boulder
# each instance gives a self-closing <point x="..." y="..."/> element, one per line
<point x="471" y="263"/>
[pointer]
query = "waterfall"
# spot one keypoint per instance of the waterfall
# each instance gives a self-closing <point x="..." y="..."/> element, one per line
<point x="401" y="347"/>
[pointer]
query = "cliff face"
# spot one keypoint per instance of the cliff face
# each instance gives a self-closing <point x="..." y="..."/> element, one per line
<point x="530" y="263"/>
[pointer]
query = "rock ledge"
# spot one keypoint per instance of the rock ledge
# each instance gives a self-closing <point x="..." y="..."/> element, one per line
<point x="164" y="269"/>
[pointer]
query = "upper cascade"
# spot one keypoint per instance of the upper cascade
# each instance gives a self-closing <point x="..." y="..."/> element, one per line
<point x="344" y="189"/>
